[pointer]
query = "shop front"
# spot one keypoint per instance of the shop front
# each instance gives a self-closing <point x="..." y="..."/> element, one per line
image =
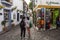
<point x="7" y="17"/>
<point x="47" y="14"/>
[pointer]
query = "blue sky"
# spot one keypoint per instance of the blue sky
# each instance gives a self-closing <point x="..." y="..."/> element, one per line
<point x="27" y="1"/>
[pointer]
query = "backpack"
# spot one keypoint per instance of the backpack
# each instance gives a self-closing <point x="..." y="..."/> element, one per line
<point x="30" y="24"/>
<point x="22" y="24"/>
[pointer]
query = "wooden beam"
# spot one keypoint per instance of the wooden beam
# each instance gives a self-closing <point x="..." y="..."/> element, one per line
<point x="46" y="6"/>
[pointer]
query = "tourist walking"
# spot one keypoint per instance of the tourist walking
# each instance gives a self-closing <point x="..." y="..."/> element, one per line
<point x="22" y="26"/>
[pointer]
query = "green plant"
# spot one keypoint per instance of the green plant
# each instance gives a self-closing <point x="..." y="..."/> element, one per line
<point x="4" y="28"/>
<point x="3" y="23"/>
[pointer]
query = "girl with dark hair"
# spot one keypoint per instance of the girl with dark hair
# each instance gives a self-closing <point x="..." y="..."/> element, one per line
<point x="22" y="26"/>
<point x="28" y="26"/>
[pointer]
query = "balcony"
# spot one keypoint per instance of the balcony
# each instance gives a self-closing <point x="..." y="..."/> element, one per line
<point x="7" y="2"/>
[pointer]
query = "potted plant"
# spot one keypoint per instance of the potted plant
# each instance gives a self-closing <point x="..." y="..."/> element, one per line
<point x="4" y="24"/>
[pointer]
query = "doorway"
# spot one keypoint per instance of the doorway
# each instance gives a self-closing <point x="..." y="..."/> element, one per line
<point x="7" y="17"/>
<point x="49" y="16"/>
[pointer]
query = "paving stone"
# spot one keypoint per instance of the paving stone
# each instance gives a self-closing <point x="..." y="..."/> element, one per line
<point x="35" y="35"/>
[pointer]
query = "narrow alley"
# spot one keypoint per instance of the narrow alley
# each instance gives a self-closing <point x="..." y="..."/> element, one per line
<point x="14" y="34"/>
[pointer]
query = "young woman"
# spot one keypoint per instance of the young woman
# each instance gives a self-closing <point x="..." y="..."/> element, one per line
<point x="28" y="26"/>
<point x="22" y="26"/>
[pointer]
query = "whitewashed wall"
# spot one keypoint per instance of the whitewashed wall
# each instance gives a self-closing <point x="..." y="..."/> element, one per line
<point x="37" y="2"/>
<point x="0" y="1"/>
<point x="1" y="19"/>
<point x="15" y="19"/>
<point x="12" y="17"/>
<point x="19" y="5"/>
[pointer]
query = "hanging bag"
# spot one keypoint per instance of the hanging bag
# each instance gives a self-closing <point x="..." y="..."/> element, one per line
<point x="30" y="24"/>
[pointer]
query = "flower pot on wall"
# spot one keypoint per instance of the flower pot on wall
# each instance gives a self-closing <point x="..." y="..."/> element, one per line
<point x="5" y="29"/>
<point x="13" y="25"/>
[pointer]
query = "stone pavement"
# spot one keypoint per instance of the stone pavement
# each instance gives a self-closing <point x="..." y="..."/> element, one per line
<point x="14" y="34"/>
<point x="48" y="35"/>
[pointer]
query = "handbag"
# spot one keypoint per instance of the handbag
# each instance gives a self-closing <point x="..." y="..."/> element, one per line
<point x="30" y="24"/>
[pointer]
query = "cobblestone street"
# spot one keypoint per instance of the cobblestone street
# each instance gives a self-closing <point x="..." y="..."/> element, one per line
<point x="48" y="35"/>
<point x="14" y="34"/>
<point x="39" y="18"/>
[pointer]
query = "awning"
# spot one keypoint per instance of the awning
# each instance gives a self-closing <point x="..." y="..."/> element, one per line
<point x="45" y="6"/>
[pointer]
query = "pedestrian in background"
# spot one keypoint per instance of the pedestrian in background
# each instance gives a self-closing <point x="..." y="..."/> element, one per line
<point x="22" y="26"/>
<point x="58" y="22"/>
<point x="28" y="25"/>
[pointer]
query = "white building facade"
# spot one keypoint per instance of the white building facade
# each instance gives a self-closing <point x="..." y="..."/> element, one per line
<point x="5" y="12"/>
<point x="15" y="16"/>
<point x="47" y="8"/>
<point x="10" y="10"/>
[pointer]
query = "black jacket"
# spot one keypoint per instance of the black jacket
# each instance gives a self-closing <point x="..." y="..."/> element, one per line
<point x="22" y="24"/>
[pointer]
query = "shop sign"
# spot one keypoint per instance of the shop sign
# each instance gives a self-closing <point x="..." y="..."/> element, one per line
<point x="52" y="3"/>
